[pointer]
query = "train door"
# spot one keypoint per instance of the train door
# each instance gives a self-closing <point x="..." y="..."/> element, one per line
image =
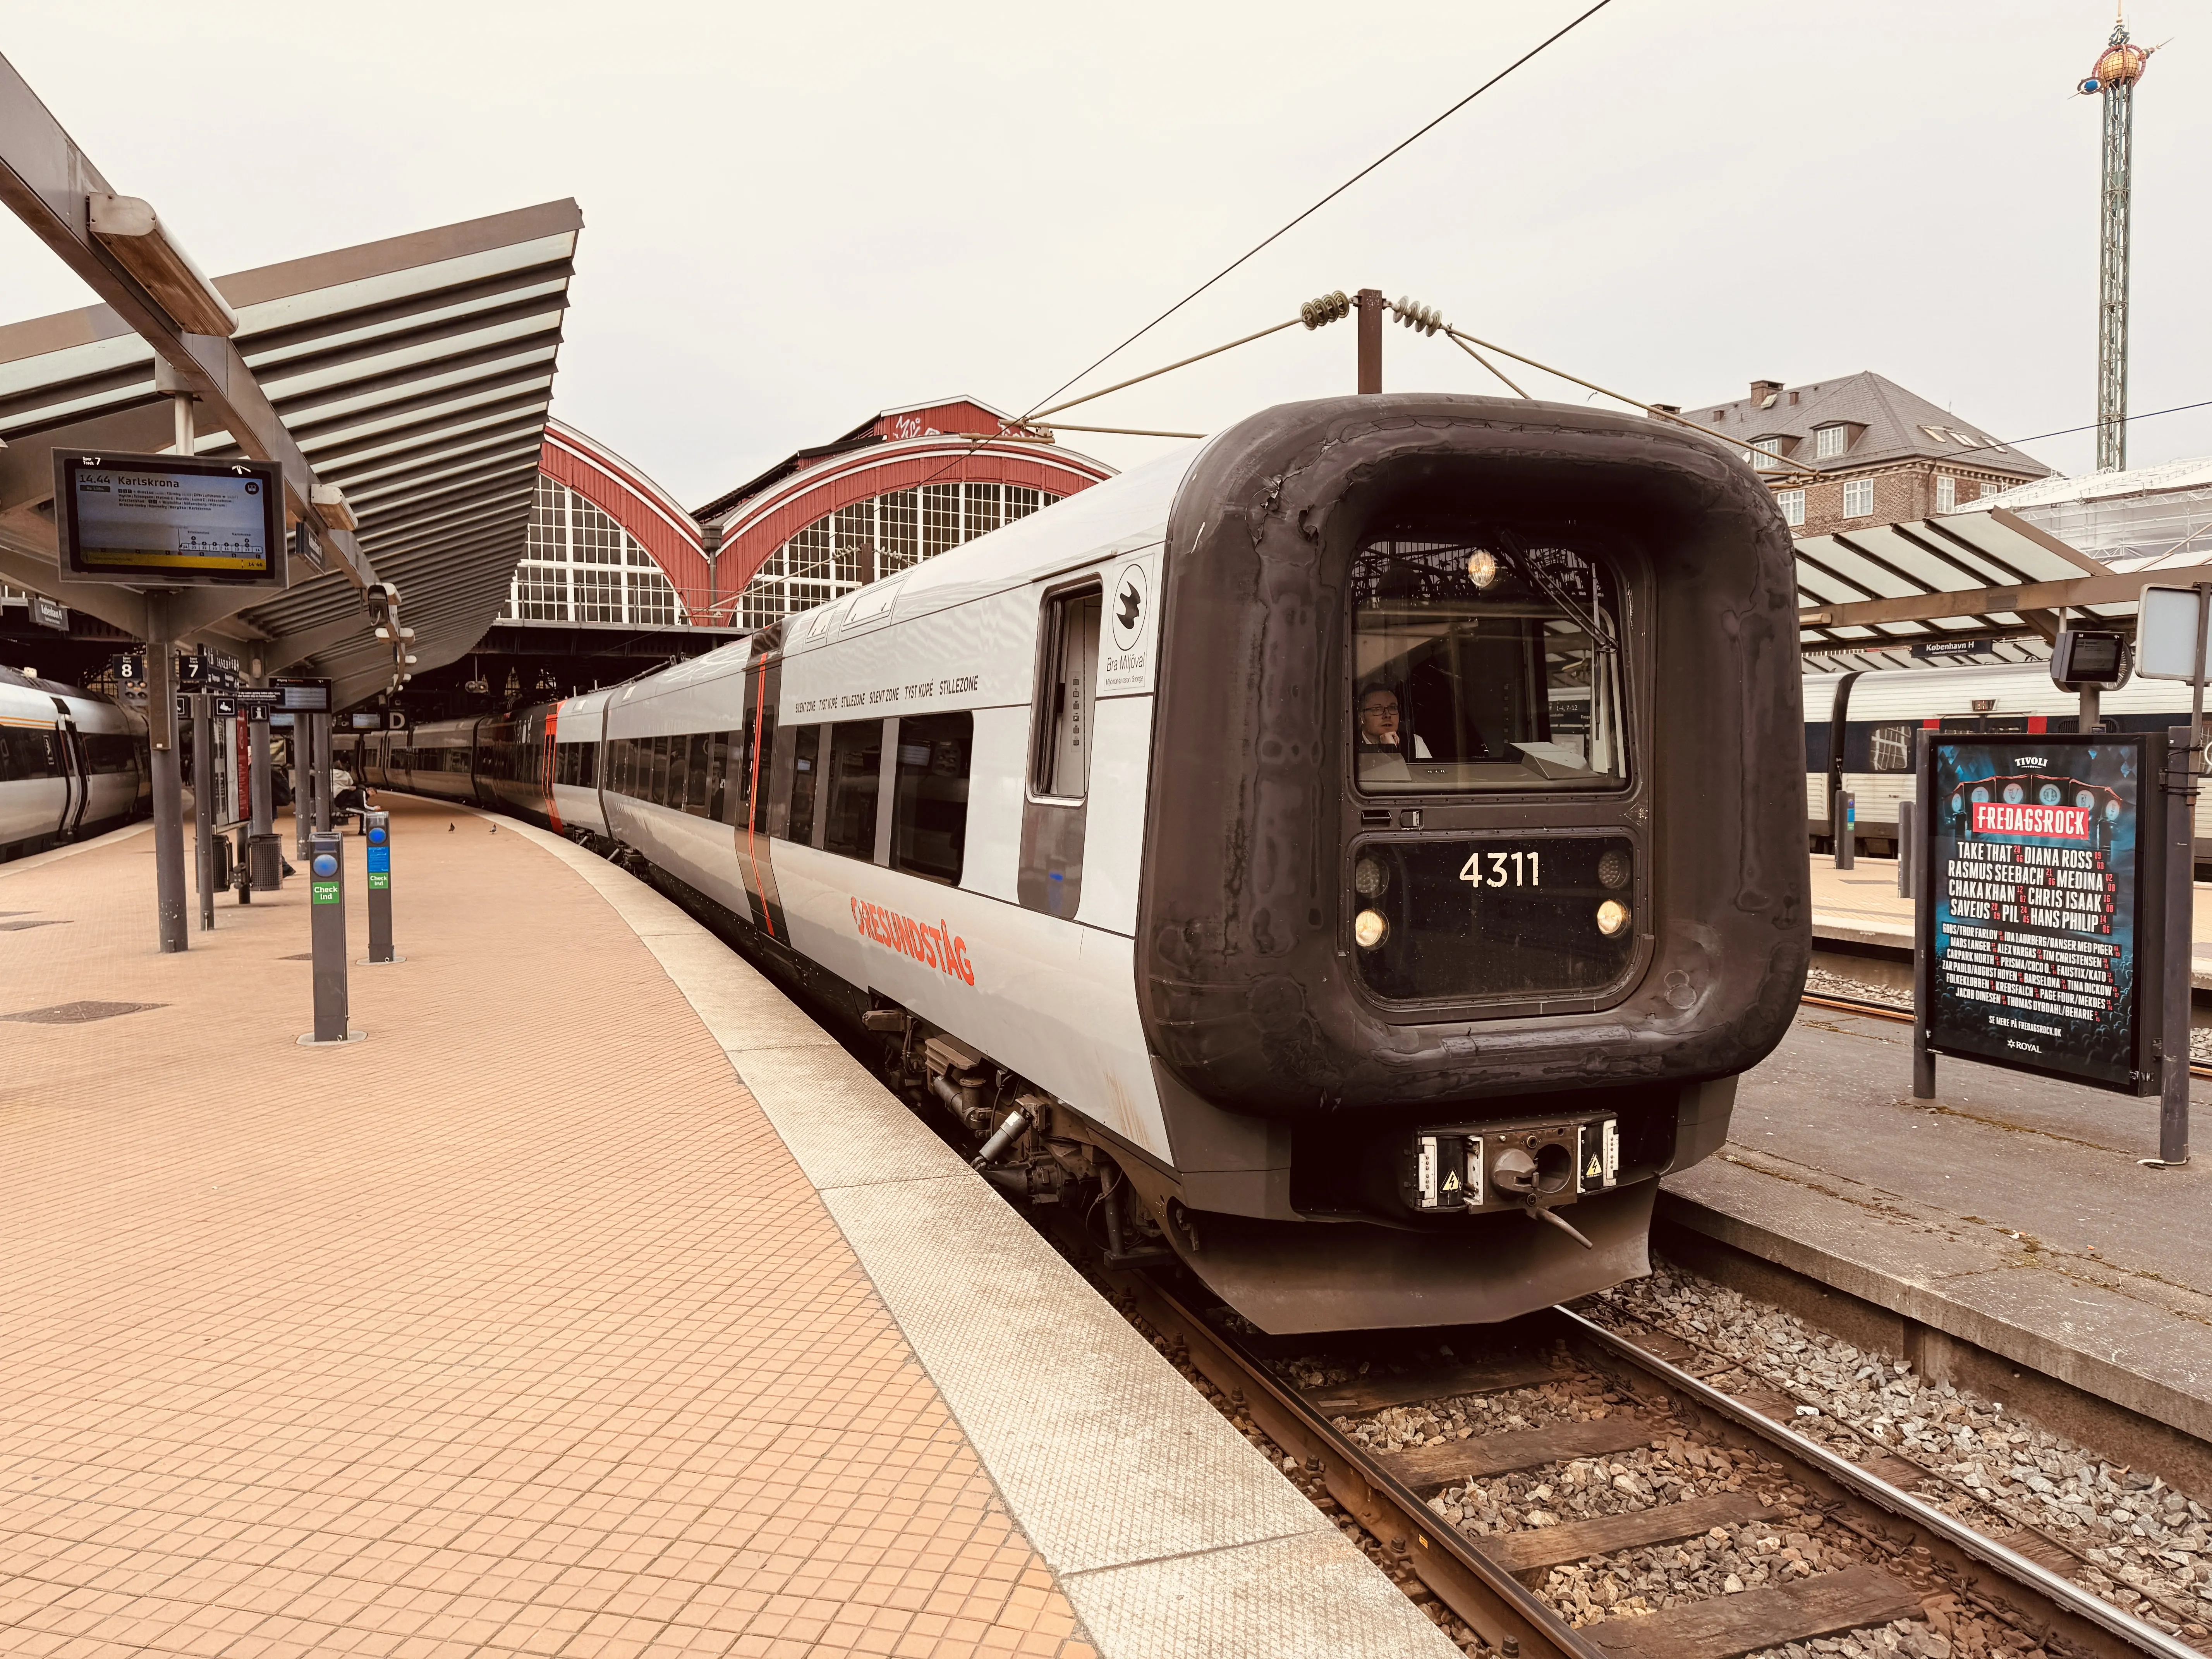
<point x="77" y="764"/>
<point x="747" y="805"/>
<point x="1058" y="791"/>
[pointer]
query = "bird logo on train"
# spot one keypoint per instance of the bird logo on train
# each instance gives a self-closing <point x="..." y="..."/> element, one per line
<point x="1129" y="608"/>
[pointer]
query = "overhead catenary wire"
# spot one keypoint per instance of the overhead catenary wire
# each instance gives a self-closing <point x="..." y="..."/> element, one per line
<point x="1035" y="416"/>
<point x="1277" y="235"/>
<point x="1116" y="431"/>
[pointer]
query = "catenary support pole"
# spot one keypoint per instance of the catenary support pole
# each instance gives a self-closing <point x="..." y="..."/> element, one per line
<point x="203" y="806"/>
<point x="1369" y="304"/>
<point x="302" y="811"/>
<point x="1845" y="824"/>
<point x="1908" y="852"/>
<point x="168" y="776"/>
<point x="265" y="863"/>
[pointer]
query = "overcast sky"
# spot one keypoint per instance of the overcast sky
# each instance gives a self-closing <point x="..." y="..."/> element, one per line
<point x="796" y="215"/>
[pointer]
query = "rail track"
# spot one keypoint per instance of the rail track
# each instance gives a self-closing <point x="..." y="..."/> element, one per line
<point x="1885" y="1553"/>
<point x="1902" y="1014"/>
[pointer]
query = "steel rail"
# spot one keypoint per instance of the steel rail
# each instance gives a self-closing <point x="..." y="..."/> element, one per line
<point x="2063" y="1592"/>
<point x="1484" y="1594"/>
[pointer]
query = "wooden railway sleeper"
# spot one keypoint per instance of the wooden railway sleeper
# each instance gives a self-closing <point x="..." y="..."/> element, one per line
<point x="1490" y="1599"/>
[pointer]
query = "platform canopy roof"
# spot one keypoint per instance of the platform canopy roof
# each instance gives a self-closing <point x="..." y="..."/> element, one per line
<point x="402" y="385"/>
<point x="1980" y="573"/>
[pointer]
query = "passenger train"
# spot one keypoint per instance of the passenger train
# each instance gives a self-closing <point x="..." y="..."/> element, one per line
<point x="1859" y="732"/>
<point x="1355" y="856"/>
<point x="71" y="763"/>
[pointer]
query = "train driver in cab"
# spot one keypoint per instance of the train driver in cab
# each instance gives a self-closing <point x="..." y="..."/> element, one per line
<point x="1382" y="748"/>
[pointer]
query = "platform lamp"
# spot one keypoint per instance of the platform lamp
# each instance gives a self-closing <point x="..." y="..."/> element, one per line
<point x="130" y="229"/>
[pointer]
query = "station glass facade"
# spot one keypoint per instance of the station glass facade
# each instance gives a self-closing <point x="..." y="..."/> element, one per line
<point x="877" y="538"/>
<point x="581" y="566"/>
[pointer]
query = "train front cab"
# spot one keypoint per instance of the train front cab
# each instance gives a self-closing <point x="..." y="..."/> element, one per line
<point x="1474" y="866"/>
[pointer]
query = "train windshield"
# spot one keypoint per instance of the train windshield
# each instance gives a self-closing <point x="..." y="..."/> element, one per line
<point x="1483" y="661"/>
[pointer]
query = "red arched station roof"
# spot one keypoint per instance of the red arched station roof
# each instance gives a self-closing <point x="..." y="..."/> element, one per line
<point x="639" y="505"/>
<point x="935" y="443"/>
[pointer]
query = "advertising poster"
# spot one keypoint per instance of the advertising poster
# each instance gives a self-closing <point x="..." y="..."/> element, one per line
<point x="2031" y="934"/>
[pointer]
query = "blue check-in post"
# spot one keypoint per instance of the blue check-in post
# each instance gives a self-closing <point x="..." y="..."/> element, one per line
<point x="377" y="828"/>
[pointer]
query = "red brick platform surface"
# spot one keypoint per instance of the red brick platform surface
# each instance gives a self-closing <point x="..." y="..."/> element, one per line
<point x="512" y="1329"/>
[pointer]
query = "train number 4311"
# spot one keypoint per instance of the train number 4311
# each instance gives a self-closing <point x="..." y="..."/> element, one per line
<point x="1502" y="870"/>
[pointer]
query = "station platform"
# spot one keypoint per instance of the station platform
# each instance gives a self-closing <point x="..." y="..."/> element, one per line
<point x="1859" y="910"/>
<point x="595" y="1303"/>
<point x="2010" y="1213"/>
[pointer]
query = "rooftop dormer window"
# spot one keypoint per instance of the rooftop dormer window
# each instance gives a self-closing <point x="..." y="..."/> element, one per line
<point x="1829" y="442"/>
<point x="1765" y="454"/>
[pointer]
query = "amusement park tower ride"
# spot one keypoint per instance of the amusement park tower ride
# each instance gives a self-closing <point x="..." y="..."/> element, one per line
<point x="2114" y="78"/>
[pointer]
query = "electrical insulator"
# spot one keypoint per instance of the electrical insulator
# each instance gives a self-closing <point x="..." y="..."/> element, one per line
<point x="1317" y="313"/>
<point x="1411" y="313"/>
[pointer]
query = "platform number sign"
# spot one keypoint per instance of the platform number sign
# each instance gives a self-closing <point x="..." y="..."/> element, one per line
<point x="2036" y="863"/>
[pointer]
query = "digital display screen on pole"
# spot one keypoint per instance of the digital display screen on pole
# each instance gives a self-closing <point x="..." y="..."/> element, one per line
<point x="170" y="520"/>
<point x="2037" y="856"/>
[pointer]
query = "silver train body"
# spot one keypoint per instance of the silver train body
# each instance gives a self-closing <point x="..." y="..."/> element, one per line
<point x="1859" y="733"/>
<point x="1081" y="831"/>
<point x="71" y="765"/>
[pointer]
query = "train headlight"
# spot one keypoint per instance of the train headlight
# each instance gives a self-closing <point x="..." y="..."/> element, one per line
<point x="1369" y="929"/>
<point x="1370" y="878"/>
<point x="1613" y="869"/>
<point x="1482" y="569"/>
<point x="1612" y="917"/>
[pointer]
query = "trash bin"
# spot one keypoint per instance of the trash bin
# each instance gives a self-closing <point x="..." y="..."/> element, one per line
<point x="267" y="853"/>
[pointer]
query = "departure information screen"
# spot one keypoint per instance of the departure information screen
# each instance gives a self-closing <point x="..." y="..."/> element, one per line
<point x="168" y="520"/>
<point x="2035" y="850"/>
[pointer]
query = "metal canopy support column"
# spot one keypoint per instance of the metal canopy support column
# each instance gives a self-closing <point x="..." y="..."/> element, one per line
<point x="168" y="779"/>
<point x="203" y="804"/>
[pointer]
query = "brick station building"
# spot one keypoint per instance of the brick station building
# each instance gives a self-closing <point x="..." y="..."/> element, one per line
<point x="1879" y="454"/>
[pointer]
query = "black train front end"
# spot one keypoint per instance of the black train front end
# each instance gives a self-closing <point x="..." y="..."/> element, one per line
<point x="1475" y="867"/>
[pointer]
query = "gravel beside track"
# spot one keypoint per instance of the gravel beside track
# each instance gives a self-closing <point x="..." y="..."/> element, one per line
<point x="2143" y="1545"/>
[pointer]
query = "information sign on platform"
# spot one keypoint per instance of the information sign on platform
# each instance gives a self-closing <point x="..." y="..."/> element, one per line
<point x="170" y="520"/>
<point x="2032" y="936"/>
<point x="305" y="697"/>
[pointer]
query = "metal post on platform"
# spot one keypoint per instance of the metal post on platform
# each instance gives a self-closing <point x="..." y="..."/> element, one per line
<point x="376" y="827"/>
<point x="323" y="762"/>
<point x="2181" y="915"/>
<point x="302" y="811"/>
<point x="1908" y="853"/>
<point x="327" y="913"/>
<point x="168" y="776"/>
<point x="262" y="867"/>
<point x="203" y="804"/>
<point x="1844" y="825"/>
<point x="1923" y="898"/>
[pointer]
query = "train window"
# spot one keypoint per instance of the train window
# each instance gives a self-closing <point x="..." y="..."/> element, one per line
<point x="855" y="779"/>
<point x="7" y="756"/>
<point x="701" y="750"/>
<point x="1480" y="662"/>
<point x="718" y="761"/>
<point x="109" y="752"/>
<point x="656" y="782"/>
<point x="587" y="765"/>
<point x="1892" y="748"/>
<point x="805" y="773"/>
<point x="1066" y="671"/>
<point x="929" y="808"/>
<point x="760" y="765"/>
<point x="37" y="754"/>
